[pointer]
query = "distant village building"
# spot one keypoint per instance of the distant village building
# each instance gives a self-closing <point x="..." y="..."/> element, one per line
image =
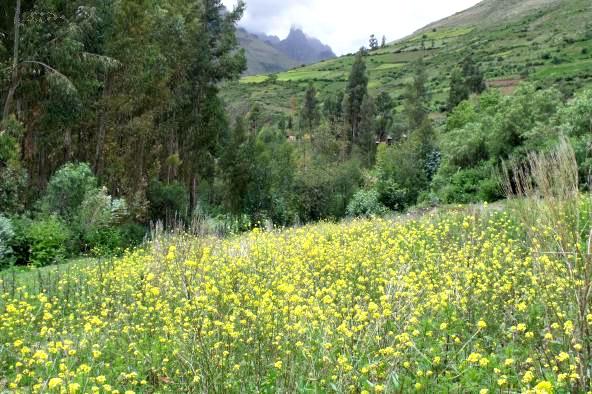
<point x="385" y="140"/>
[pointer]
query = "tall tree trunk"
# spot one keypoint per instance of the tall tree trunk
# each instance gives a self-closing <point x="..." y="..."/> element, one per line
<point x="15" y="61"/>
<point x="98" y="162"/>
<point x="68" y="145"/>
<point x="193" y="194"/>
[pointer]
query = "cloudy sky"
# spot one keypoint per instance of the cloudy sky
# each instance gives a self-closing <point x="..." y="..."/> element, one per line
<point x="346" y="24"/>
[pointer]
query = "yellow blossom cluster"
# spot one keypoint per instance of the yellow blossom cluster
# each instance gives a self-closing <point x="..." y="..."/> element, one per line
<point x="447" y="303"/>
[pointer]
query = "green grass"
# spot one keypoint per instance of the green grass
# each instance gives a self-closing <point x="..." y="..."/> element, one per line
<point x="442" y="34"/>
<point x="32" y="277"/>
<point x="389" y="66"/>
<point x="308" y="75"/>
<point x="565" y="70"/>
<point x="254" y="79"/>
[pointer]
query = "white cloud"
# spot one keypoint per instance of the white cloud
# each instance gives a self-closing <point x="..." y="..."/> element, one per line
<point x="346" y="24"/>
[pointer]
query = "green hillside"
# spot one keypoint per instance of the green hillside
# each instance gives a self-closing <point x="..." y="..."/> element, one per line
<point x="545" y="41"/>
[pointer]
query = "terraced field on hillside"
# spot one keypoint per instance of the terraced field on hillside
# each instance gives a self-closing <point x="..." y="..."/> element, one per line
<point x="550" y="45"/>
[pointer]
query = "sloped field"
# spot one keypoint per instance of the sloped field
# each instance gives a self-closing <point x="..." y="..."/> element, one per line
<point x="449" y="303"/>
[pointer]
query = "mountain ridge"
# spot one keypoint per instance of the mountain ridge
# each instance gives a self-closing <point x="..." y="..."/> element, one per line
<point x="301" y="47"/>
<point x="268" y="54"/>
<point x="489" y="12"/>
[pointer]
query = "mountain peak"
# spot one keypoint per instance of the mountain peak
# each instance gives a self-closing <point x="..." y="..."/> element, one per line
<point x="303" y="48"/>
<point x="296" y="31"/>
<point x="268" y="53"/>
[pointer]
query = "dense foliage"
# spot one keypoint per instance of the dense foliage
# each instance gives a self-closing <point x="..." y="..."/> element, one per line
<point x="113" y="120"/>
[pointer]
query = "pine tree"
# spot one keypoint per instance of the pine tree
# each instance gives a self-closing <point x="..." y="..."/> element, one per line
<point x="254" y="119"/>
<point x="473" y="75"/>
<point x="357" y="88"/>
<point x="310" y="112"/>
<point x="383" y="44"/>
<point x="373" y="43"/>
<point x="416" y="108"/>
<point x="459" y="90"/>
<point x="236" y="167"/>
<point x="212" y="54"/>
<point x="333" y="109"/>
<point x="466" y="79"/>
<point x="290" y="124"/>
<point x="384" y="112"/>
<point x="367" y="138"/>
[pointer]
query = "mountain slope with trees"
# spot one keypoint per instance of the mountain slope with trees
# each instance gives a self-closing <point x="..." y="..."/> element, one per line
<point x="548" y="43"/>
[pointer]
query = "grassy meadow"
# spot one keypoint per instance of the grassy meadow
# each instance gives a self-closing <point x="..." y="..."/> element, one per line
<point x="469" y="300"/>
<point x="114" y="125"/>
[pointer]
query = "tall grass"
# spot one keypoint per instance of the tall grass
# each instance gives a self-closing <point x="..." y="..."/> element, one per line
<point x="544" y="194"/>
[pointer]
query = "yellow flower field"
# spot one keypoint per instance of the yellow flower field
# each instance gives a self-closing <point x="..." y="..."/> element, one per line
<point x="450" y="303"/>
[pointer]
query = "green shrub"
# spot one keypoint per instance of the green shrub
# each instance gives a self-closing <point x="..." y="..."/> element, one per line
<point x="114" y="240"/>
<point x="168" y="201"/>
<point x="470" y="185"/>
<point x="325" y="189"/>
<point x="96" y="222"/>
<point x="366" y="203"/>
<point x="19" y="242"/>
<point x="68" y="188"/>
<point x="392" y="195"/>
<point x="89" y="212"/>
<point x="132" y="234"/>
<point x="105" y="241"/>
<point x="6" y="237"/>
<point x="47" y="239"/>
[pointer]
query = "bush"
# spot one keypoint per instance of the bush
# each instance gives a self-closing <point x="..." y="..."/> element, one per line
<point x="366" y="203"/>
<point x="113" y="240"/>
<point x="96" y="222"/>
<point x="168" y="202"/>
<point x="68" y="188"/>
<point x="47" y="239"/>
<point x="470" y="185"/>
<point x="392" y="195"/>
<point x="132" y="234"/>
<point x="324" y="190"/>
<point x="19" y="243"/>
<point x="6" y="236"/>
<point x="105" y="241"/>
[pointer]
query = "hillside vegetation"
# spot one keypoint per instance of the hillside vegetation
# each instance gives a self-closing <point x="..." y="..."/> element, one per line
<point x="118" y="115"/>
<point x="548" y="42"/>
